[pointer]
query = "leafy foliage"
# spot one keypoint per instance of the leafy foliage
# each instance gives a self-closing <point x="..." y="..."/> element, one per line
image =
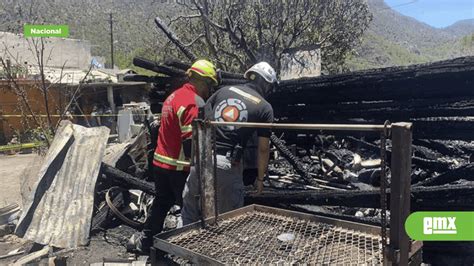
<point x="237" y="34"/>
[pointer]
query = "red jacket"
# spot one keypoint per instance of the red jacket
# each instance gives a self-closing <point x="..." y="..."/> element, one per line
<point x="179" y="110"/>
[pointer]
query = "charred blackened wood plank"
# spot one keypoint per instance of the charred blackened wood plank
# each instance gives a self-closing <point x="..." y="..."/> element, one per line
<point x="174" y="39"/>
<point x="124" y="180"/>
<point x="177" y="64"/>
<point x="364" y="199"/>
<point x="465" y="172"/>
<point x="434" y="165"/>
<point x="292" y="159"/>
<point x="232" y="76"/>
<point x="227" y="81"/>
<point x="349" y="107"/>
<point x="443" y="79"/>
<point x="237" y="78"/>
<point x="374" y="114"/>
<point x="446" y="197"/>
<point x="455" y="197"/>
<point x="159" y="81"/>
<point x="455" y="128"/>
<point x="455" y="148"/>
<point x="155" y="67"/>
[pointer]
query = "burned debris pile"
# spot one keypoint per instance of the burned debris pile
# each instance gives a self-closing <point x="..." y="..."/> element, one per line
<point x="436" y="98"/>
<point x="338" y="174"/>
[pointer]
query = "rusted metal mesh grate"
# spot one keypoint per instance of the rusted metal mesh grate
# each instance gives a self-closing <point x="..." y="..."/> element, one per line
<point x="253" y="238"/>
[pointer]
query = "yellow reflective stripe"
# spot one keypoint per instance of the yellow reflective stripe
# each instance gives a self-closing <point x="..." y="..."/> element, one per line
<point x="246" y="95"/>
<point x="186" y="129"/>
<point x="170" y="161"/>
<point x="181" y="158"/>
<point x="180" y="112"/>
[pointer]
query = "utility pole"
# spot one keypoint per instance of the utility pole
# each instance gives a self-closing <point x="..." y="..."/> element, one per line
<point x="111" y="40"/>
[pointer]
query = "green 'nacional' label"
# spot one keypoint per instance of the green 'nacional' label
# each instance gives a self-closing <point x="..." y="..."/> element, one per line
<point x="46" y="30"/>
<point x="441" y="226"/>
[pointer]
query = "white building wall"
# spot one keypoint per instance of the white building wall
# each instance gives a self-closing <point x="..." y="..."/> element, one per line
<point x="71" y="53"/>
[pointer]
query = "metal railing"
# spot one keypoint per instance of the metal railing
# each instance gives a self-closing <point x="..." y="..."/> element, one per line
<point x="335" y="127"/>
<point x="397" y="252"/>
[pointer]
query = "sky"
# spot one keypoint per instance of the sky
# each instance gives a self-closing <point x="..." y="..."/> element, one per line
<point x="437" y="13"/>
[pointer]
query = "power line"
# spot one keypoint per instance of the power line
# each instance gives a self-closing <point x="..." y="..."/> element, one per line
<point x="399" y="5"/>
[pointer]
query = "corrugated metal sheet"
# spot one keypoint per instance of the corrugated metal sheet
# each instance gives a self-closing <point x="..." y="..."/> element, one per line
<point x="60" y="207"/>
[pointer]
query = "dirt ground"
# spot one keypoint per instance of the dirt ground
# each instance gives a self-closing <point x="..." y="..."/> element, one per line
<point x="11" y="169"/>
<point x="103" y="247"/>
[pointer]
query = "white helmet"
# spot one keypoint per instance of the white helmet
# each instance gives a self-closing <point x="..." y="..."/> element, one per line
<point x="264" y="70"/>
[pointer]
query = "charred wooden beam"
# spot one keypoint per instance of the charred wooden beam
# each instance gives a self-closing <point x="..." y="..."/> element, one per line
<point x="124" y="180"/>
<point x="456" y="197"/>
<point x="352" y="106"/>
<point x="421" y="162"/>
<point x="443" y="79"/>
<point x="292" y="159"/>
<point x="455" y="148"/>
<point x="459" y="128"/>
<point x="306" y="177"/>
<point x="177" y="64"/>
<point x="226" y="77"/>
<point x="393" y="111"/>
<point x="226" y="81"/>
<point x="465" y="172"/>
<point x="174" y="39"/>
<point x="413" y="93"/>
<point x="155" y="67"/>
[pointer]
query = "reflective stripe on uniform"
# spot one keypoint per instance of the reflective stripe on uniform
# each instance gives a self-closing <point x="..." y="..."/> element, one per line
<point x="186" y="128"/>
<point x="168" y="160"/>
<point x="246" y="95"/>
<point x="180" y="113"/>
<point x="181" y="159"/>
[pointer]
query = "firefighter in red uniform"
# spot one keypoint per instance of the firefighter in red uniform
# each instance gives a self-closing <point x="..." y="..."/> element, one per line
<point x="172" y="155"/>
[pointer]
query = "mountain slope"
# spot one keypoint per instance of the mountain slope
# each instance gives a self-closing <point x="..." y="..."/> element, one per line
<point x="461" y="28"/>
<point x="401" y="29"/>
<point x="394" y="39"/>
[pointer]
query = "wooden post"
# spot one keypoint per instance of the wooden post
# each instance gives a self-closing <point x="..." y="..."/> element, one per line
<point x="205" y="169"/>
<point x="110" y="98"/>
<point x="400" y="193"/>
<point x="113" y="107"/>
